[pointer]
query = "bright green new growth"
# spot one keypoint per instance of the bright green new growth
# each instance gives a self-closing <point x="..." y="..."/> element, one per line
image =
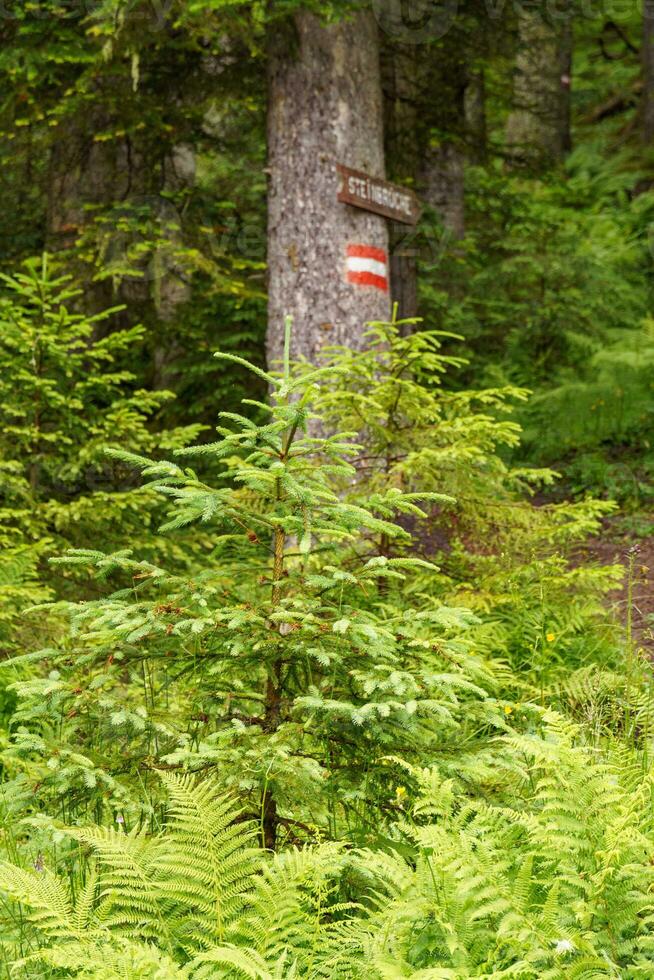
<point x="555" y="883"/>
<point x="65" y="396"/>
<point x="309" y="664"/>
<point x="285" y="644"/>
<point x="163" y="712"/>
<point x="420" y="434"/>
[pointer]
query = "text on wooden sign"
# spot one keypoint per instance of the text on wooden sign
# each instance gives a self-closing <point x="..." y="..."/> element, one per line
<point x="373" y="194"/>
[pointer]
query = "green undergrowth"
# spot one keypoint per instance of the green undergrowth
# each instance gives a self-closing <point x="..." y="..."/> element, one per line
<point x="360" y="713"/>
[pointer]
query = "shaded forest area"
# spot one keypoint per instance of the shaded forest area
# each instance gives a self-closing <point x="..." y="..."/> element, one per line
<point x="325" y="604"/>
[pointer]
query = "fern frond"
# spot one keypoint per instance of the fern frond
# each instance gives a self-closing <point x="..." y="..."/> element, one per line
<point x="45" y="894"/>
<point x="236" y="962"/>
<point x="127" y="888"/>
<point x="205" y="870"/>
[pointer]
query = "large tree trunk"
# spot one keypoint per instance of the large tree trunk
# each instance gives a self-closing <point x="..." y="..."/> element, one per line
<point x="325" y="108"/>
<point x="647" y="57"/>
<point x="538" y="129"/>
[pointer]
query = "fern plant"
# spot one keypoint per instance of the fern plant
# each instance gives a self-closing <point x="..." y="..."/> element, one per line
<point x="195" y="900"/>
<point x="555" y="883"/>
<point x="551" y="881"/>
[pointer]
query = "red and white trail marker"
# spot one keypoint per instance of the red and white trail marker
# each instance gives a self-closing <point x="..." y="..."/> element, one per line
<point x="367" y="266"/>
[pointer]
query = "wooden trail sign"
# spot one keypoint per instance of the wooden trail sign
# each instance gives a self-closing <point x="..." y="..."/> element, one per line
<point x="373" y="194"/>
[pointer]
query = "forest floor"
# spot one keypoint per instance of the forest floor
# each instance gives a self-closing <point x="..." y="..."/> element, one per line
<point x="617" y="543"/>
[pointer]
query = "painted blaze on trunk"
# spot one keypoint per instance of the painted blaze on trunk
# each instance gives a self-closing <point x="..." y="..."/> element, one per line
<point x="327" y="261"/>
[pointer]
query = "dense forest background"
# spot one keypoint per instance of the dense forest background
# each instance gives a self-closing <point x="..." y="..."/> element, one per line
<point x="329" y="655"/>
<point x="134" y="150"/>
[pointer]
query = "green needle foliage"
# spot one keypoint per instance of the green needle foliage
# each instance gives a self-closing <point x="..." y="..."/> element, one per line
<point x="332" y="692"/>
<point x="65" y="396"/>
<point x="282" y="657"/>
<point x="420" y="434"/>
<point x="312" y="666"/>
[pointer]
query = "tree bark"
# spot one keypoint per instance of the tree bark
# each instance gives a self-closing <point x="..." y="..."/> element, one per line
<point x="83" y="175"/>
<point x="475" y="117"/>
<point x="325" y="108"/>
<point x="538" y="128"/>
<point x="88" y="179"/>
<point x="404" y="271"/>
<point x="402" y="98"/>
<point x="425" y="122"/>
<point x="647" y="58"/>
<point x="442" y="179"/>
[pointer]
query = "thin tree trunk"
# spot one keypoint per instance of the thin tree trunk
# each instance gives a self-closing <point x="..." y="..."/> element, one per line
<point x="402" y="97"/>
<point x="404" y="272"/>
<point x="647" y="58"/>
<point x="325" y="108"/>
<point x="475" y="117"/>
<point x="538" y="128"/>
<point x="442" y="180"/>
<point x="566" y="43"/>
<point x="425" y="118"/>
